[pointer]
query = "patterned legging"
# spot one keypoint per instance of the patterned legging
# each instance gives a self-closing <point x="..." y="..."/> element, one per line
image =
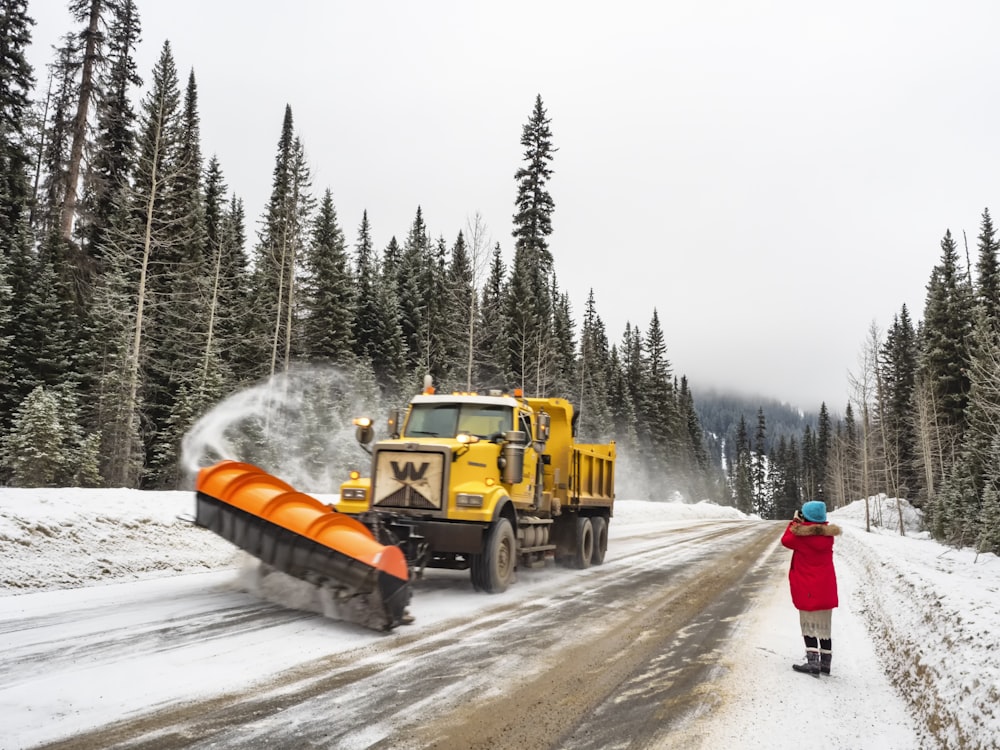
<point x="817" y="629"/>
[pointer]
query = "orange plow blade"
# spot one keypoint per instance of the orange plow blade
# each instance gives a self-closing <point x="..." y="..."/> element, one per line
<point x="300" y="536"/>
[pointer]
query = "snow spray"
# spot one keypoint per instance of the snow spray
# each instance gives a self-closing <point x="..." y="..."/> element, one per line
<point x="296" y="425"/>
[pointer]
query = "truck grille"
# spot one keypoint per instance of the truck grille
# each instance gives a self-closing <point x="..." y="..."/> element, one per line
<point x="406" y="479"/>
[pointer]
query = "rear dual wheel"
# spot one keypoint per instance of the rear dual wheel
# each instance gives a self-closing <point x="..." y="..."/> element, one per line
<point x="583" y="550"/>
<point x="600" y="527"/>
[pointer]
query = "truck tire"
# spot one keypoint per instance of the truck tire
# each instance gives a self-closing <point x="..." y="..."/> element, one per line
<point x="600" y="524"/>
<point x="584" y="548"/>
<point x="492" y="571"/>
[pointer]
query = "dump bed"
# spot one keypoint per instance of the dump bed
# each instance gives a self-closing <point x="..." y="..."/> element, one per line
<point x="576" y="474"/>
<point x="592" y="475"/>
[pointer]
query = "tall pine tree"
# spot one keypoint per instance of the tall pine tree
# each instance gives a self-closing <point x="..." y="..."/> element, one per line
<point x="530" y="306"/>
<point x="16" y="82"/>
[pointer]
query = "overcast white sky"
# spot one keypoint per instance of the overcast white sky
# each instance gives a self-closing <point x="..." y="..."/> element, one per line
<point x="771" y="177"/>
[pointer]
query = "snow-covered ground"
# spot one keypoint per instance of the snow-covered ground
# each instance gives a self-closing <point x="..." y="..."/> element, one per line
<point x="916" y="663"/>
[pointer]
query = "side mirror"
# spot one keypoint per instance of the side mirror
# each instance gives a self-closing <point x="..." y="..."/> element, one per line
<point x="364" y="433"/>
<point x="542" y="425"/>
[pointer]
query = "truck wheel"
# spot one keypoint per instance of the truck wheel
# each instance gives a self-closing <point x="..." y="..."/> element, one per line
<point x="493" y="570"/>
<point x="600" y="524"/>
<point x="584" y="550"/>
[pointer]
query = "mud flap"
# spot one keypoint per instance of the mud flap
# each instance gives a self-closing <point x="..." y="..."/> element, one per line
<point x="298" y="535"/>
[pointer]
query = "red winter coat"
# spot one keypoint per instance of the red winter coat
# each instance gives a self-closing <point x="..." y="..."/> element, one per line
<point x="812" y="576"/>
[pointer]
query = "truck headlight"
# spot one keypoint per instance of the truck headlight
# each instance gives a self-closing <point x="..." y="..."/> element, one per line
<point x="468" y="500"/>
<point x="352" y="493"/>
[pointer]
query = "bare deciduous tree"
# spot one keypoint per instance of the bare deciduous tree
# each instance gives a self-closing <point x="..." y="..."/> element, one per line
<point x="92" y="53"/>
<point x="863" y="388"/>
<point x="479" y="261"/>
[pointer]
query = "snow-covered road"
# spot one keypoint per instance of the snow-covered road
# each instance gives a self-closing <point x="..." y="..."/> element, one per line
<point x="144" y="658"/>
<point x="122" y="626"/>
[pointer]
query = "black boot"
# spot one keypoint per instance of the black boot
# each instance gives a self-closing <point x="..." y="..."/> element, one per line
<point x="824" y="661"/>
<point x="811" y="666"/>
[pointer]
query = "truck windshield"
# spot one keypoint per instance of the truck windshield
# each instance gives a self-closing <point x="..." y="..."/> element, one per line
<point x="448" y="420"/>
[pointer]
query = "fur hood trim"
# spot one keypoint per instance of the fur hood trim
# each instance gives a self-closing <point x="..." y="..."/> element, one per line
<point x="816" y="529"/>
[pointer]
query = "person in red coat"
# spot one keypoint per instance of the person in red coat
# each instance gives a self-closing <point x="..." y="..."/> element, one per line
<point x="813" y="580"/>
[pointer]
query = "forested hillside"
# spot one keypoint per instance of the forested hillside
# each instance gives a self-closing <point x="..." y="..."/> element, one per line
<point x="134" y="297"/>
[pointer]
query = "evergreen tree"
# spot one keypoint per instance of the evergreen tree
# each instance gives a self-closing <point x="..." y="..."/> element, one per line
<point x="328" y="290"/>
<point x="943" y="385"/>
<point x="704" y="482"/>
<point x="214" y="212"/>
<point x="528" y="312"/>
<point x="412" y="276"/>
<point x="80" y="448"/>
<point x="988" y="539"/>
<point x="234" y="316"/>
<point x="595" y="422"/>
<point x="279" y="253"/>
<point x="213" y="375"/>
<point x="33" y="452"/>
<point x="956" y="509"/>
<point x="634" y="374"/>
<point x="898" y="364"/>
<point x="491" y="346"/>
<point x="776" y="475"/>
<point x="965" y="494"/>
<point x="762" y="499"/>
<point x="389" y="359"/>
<point x="989" y="530"/>
<point x="16" y="81"/>
<point x="843" y="460"/>
<point x="810" y="465"/>
<point x="47" y="326"/>
<point x="824" y="438"/>
<point x="563" y="350"/>
<point x="785" y="469"/>
<point x="530" y="306"/>
<point x="988" y="271"/>
<point x="621" y="409"/>
<point x="461" y="284"/>
<point x="366" y="272"/>
<point x="983" y="405"/>
<point x="114" y="312"/>
<point x="742" y="470"/>
<point x="656" y="409"/>
<point x="6" y="326"/>
<point x="46" y="447"/>
<point x="442" y="322"/>
<point x="533" y="218"/>
<point x="177" y="329"/>
<point x="944" y="345"/>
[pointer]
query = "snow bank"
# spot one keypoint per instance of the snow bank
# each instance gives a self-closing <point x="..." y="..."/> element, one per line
<point x="65" y="538"/>
<point x="932" y="611"/>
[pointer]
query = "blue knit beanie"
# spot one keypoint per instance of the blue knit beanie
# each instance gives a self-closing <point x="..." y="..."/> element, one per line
<point x="815" y="511"/>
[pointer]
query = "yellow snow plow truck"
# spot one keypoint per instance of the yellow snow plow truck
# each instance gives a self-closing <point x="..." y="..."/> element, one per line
<point x="477" y="482"/>
<point x="486" y="483"/>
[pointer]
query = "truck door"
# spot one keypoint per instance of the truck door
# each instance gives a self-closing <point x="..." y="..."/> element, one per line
<point x="525" y="493"/>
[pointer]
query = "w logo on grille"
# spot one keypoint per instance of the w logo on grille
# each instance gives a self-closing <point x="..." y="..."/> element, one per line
<point x="409" y="472"/>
